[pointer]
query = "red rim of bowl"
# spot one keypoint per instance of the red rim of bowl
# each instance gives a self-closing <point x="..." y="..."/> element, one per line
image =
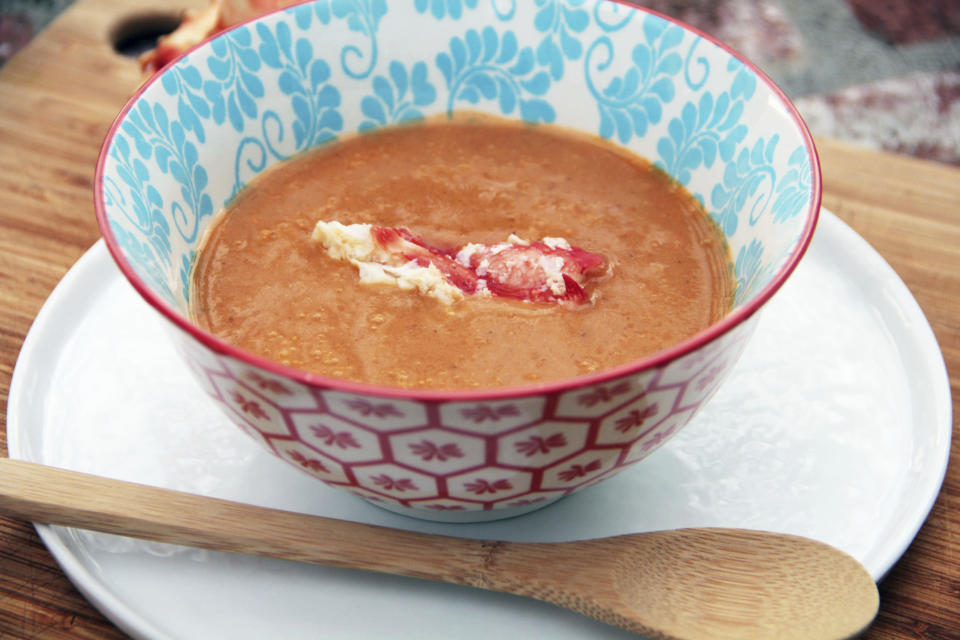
<point x="658" y="359"/>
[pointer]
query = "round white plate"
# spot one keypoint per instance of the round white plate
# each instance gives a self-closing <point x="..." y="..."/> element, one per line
<point x="835" y="425"/>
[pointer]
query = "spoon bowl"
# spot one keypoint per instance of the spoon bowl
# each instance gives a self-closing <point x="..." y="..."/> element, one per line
<point x="689" y="584"/>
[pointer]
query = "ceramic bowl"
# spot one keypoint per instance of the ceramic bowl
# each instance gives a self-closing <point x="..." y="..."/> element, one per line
<point x="200" y="130"/>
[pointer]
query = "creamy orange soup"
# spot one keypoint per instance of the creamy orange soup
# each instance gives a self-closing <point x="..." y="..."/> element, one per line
<point x="262" y="284"/>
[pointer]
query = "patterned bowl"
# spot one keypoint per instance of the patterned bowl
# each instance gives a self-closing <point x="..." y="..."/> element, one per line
<point x="201" y="129"/>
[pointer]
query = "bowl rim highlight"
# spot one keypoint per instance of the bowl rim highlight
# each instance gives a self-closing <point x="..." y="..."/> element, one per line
<point x="651" y="361"/>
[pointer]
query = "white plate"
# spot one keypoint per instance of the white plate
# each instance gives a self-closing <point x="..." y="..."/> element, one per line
<point x="835" y="425"/>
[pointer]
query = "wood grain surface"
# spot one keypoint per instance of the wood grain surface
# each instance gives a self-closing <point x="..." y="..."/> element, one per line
<point x="57" y="100"/>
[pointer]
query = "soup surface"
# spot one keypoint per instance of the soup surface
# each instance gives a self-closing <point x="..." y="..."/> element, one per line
<point x="261" y="283"/>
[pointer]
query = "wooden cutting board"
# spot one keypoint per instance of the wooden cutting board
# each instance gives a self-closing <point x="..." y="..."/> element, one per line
<point x="57" y="100"/>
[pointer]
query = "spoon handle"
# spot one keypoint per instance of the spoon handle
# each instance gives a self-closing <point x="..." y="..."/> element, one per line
<point x="39" y="493"/>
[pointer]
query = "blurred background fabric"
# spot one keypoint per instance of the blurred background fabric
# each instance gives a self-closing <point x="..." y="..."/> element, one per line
<point x="883" y="74"/>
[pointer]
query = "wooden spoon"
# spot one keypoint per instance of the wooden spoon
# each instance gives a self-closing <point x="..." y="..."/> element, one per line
<point x="687" y="583"/>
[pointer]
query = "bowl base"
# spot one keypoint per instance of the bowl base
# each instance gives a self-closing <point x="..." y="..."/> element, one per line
<point x="463" y="516"/>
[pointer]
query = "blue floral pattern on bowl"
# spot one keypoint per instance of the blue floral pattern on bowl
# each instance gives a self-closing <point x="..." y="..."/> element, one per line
<point x="265" y="92"/>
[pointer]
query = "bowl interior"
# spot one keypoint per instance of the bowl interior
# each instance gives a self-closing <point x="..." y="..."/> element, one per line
<point x="270" y="89"/>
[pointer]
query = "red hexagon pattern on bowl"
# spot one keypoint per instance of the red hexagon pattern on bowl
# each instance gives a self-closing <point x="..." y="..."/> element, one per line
<point x="477" y="455"/>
